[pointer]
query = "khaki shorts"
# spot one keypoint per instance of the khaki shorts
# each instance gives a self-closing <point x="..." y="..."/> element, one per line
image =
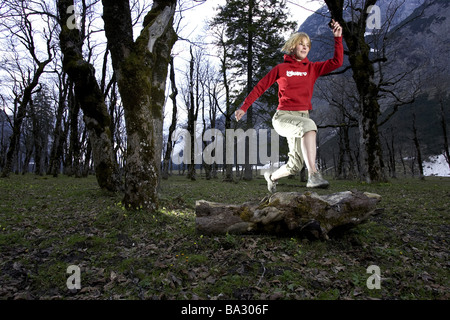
<point x="293" y="125"/>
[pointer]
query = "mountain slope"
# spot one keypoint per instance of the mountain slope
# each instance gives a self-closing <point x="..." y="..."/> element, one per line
<point x="417" y="47"/>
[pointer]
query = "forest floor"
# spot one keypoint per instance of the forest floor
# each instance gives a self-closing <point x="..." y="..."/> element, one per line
<point x="48" y="224"/>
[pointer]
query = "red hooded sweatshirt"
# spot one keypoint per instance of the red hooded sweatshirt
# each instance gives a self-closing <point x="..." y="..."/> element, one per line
<point x="296" y="80"/>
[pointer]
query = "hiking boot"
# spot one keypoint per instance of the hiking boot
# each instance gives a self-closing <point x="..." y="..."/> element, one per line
<point x="271" y="185"/>
<point x="317" y="181"/>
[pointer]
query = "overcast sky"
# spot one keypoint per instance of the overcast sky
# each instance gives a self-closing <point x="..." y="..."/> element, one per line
<point x="195" y="19"/>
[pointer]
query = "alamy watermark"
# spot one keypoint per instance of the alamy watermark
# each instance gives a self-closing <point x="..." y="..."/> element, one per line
<point x="233" y="145"/>
<point x="373" y="21"/>
<point x="73" y="21"/>
<point x="374" y="281"/>
<point x="74" y="280"/>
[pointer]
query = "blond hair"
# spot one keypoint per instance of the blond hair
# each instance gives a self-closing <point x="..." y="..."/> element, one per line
<point x="294" y="40"/>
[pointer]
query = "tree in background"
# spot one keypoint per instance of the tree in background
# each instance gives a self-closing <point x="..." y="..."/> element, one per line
<point x="224" y="66"/>
<point x="18" y="21"/>
<point x="364" y="77"/>
<point x="254" y="34"/>
<point x="42" y="125"/>
<point x="371" y="51"/>
<point x="173" y="124"/>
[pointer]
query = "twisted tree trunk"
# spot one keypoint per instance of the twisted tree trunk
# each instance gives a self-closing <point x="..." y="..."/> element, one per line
<point x="141" y="71"/>
<point x="91" y="100"/>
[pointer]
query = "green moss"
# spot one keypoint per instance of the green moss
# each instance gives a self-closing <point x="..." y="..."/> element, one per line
<point x="245" y="214"/>
<point x="275" y="203"/>
<point x="134" y="82"/>
<point x="302" y="207"/>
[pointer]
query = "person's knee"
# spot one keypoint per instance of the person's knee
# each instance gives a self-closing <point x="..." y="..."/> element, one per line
<point x="294" y="167"/>
<point x="309" y="126"/>
<point x="310" y="133"/>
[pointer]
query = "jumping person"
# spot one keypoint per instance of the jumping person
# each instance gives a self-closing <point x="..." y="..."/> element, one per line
<point x="296" y="78"/>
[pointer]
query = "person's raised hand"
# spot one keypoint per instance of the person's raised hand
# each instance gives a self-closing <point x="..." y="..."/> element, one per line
<point x="239" y="114"/>
<point x="337" y="29"/>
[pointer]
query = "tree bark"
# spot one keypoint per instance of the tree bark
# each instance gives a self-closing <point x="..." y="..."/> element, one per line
<point x="58" y="133"/>
<point x="363" y="75"/>
<point x="173" y="125"/>
<point x="38" y="139"/>
<point x="227" y="113"/>
<point x="444" y="131"/>
<point x="288" y="213"/>
<point x="141" y="71"/>
<point x="417" y="145"/>
<point x="248" y="173"/>
<point x="192" y="117"/>
<point x="91" y="100"/>
<point x="74" y="152"/>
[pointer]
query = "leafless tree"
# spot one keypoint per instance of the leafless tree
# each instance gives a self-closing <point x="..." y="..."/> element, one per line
<point x="22" y="32"/>
<point x="417" y="145"/>
<point x="376" y="83"/>
<point x="59" y="137"/>
<point x="173" y="124"/>
<point x="224" y="69"/>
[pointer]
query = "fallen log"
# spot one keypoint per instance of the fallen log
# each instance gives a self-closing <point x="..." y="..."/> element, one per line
<point x="288" y="213"/>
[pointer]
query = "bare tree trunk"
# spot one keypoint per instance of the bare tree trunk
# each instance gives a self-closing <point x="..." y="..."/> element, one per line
<point x="402" y="160"/>
<point x="74" y="144"/>
<point x="141" y="70"/>
<point x="341" y="169"/>
<point x="173" y="125"/>
<point x="363" y="74"/>
<point x="345" y="165"/>
<point x="390" y="147"/>
<point x="28" y="145"/>
<point x="192" y="118"/>
<point x="91" y="99"/>
<point x="87" y="159"/>
<point x="248" y="174"/>
<point x="3" y="146"/>
<point x="417" y="145"/>
<point x="444" y="131"/>
<point x="58" y="134"/>
<point x="37" y="140"/>
<point x="206" y="166"/>
<point x="212" y="85"/>
<point x="227" y="113"/>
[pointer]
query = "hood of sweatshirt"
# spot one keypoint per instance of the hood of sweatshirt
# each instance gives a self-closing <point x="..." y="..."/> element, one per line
<point x="290" y="59"/>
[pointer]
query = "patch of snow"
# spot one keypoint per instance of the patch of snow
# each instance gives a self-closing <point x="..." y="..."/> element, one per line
<point x="436" y="166"/>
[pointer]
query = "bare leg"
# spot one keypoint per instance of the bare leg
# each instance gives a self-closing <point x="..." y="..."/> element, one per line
<point x="309" y="151"/>
<point x="315" y="179"/>
<point x="281" y="172"/>
<point x="271" y="178"/>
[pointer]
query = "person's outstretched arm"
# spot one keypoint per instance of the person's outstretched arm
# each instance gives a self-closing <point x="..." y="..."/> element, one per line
<point x="257" y="91"/>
